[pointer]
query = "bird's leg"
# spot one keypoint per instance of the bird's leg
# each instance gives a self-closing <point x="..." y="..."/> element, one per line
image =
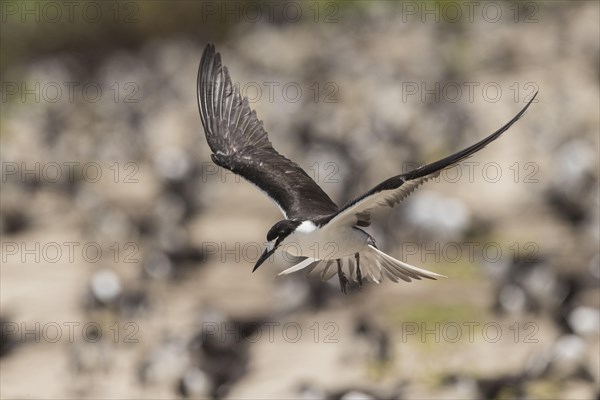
<point x="358" y="273"/>
<point x="342" y="276"/>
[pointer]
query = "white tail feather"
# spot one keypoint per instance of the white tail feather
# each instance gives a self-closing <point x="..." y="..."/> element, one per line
<point x="302" y="264"/>
<point x="401" y="269"/>
<point x="374" y="266"/>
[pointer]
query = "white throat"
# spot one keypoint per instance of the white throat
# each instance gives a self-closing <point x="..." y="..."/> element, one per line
<point x="306" y="227"/>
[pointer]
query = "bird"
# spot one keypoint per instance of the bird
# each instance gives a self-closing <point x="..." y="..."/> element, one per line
<point x="315" y="233"/>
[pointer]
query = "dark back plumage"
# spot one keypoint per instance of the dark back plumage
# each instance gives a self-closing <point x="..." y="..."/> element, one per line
<point x="240" y="144"/>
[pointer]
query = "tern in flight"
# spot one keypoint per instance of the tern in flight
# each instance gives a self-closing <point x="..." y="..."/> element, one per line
<point x="315" y="232"/>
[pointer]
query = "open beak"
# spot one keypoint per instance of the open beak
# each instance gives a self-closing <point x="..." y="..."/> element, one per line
<point x="266" y="254"/>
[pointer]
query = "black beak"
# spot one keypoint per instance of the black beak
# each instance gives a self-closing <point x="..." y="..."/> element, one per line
<point x="266" y="254"/>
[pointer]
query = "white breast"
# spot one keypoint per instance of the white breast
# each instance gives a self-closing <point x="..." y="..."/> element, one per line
<point x="324" y="243"/>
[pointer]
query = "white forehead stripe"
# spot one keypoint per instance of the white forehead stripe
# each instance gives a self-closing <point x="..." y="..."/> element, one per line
<point x="306" y="227"/>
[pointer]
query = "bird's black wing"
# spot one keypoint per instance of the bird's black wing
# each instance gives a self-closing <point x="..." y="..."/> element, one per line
<point x="239" y="143"/>
<point x="395" y="189"/>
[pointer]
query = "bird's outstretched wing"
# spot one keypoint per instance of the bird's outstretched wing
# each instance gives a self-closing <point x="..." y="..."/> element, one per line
<point x="240" y="144"/>
<point x="396" y="188"/>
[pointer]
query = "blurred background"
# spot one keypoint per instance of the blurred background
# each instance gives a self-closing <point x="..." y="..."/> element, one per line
<point x="127" y="255"/>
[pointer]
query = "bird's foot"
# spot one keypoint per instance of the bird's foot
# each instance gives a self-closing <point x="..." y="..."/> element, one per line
<point x="342" y="276"/>
<point x="343" y="282"/>
<point x="358" y="271"/>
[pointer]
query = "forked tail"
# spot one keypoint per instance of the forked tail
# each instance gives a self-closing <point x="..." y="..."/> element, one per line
<point x="374" y="265"/>
<point x="379" y="264"/>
